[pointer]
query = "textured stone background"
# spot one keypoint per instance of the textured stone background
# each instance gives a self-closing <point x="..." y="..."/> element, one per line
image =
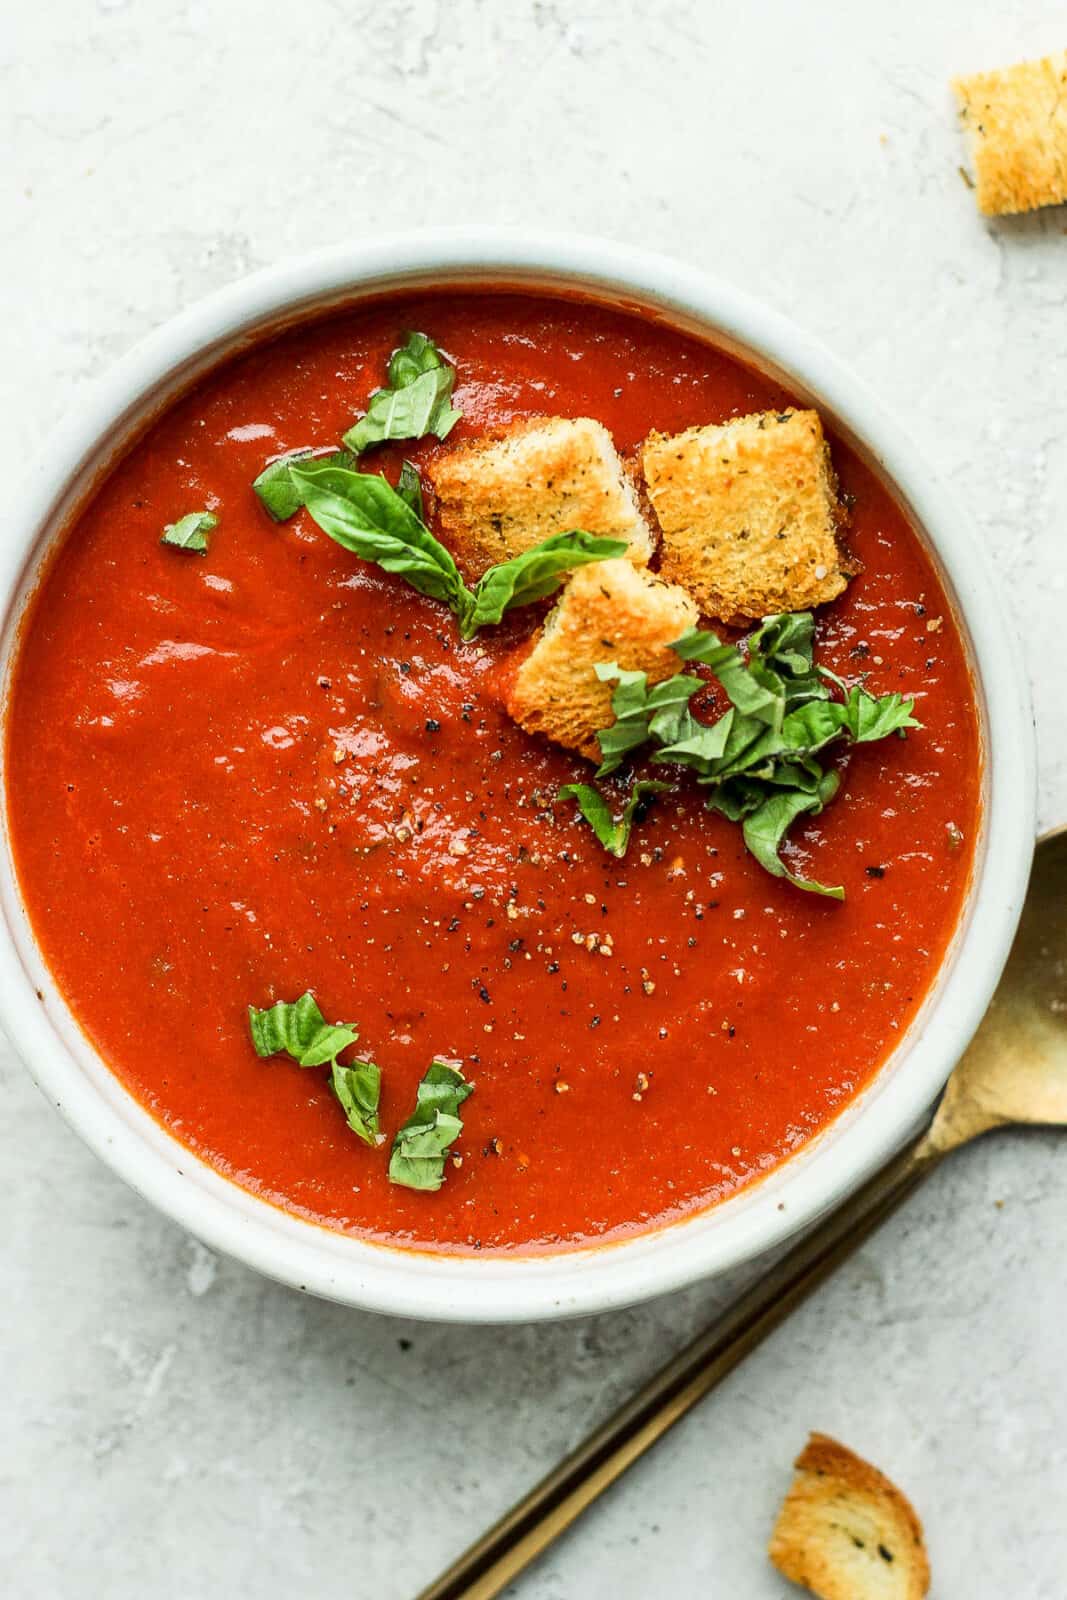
<point x="174" y="1426"/>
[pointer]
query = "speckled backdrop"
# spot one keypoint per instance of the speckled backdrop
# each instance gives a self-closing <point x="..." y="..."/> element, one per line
<point x="172" y="1425"/>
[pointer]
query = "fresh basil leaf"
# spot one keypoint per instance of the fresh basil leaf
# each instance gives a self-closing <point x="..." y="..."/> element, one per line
<point x="418" y="354"/>
<point x="801" y="772"/>
<point x="758" y="760"/>
<point x="870" y="718"/>
<point x="641" y="713"/>
<point x="613" y="833"/>
<point x="765" y="829"/>
<point x="358" y="1088"/>
<point x="743" y="689"/>
<point x="785" y="643"/>
<point x="535" y="573"/>
<point x="368" y="516"/>
<point x="298" y="1029"/>
<point x="278" y="493"/>
<point x="191" y="531"/>
<point x="421" y="1145"/>
<point x="699" y="745"/>
<point x="813" y="725"/>
<point x="409" y="488"/>
<point x="416" y="401"/>
<point x="805" y="730"/>
<point x="363" y="512"/>
<point x="293" y="1027"/>
<point x="736" y="797"/>
<point x="781" y="657"/>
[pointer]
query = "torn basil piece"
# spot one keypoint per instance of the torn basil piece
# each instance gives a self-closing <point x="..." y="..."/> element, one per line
<point x="298" y="1029"/>
<point x="358" y="1087"/>
<point x="278" y="493"/>
<point x="191" y="532"/>
<point x="421" y="1145"/>
<point x="416" y="401"/>
<point x="409" y="488"/>
<point x="766" y="828"/>
<point x="613" y="832"/>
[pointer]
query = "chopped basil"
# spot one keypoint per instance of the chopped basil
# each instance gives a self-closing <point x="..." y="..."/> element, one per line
<point x="298" y="1029"/>
<point x="358" y="1087"/>
<point x="870" y="718"/>
<point x="409" y="488"/>
<point x="191" y="531"/>
<point x="613" y="833"/>
<point x="275" y="487"/>
<point x="420" y="1147"/>
<point x="417" y="399"/>
<point x="363" y="512"/>
<point x="745" y="688"/>
<point x="766" y="827"/>
<point x="758" y="759"/>
<point x="642" y="713"/>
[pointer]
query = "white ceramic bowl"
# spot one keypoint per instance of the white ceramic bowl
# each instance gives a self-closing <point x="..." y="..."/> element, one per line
<point x="872" y="1127"/>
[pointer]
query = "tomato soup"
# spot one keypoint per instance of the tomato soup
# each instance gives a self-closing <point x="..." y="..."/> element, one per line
<point x="236" y="776"/>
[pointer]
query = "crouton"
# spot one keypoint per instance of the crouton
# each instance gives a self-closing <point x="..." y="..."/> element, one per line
<point x="609" y="611"/>
<point x="845" y="1532"/>
<point x="497" y="497"/>
<point x="1017" y="122"/>
<point x="748" y="514"/>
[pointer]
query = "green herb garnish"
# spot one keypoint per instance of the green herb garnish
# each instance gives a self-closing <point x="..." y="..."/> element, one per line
<point x="363" y="512"/>
<point x="191" y="531"/>
<point x="613" y="832"/>
<point x="298" y="1029"/>
<point x="759" y="758"/>
<point x="420" y="1147"/>
<point x="641" y="713"/>
<point x="277" y="491"/>
<point x="409" y="488"/>
<point x="417" y="399"/>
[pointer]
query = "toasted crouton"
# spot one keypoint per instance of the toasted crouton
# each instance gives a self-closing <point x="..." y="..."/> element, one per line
<point x="497" y="497"/>
<point x="1017" y="122"/>
<point x="748" y="514"/>
<point x="845" y="1532"/>
<point x="610" y="611"/>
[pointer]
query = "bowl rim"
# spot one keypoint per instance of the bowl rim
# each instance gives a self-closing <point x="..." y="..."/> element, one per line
<point x="498" y="1288"/>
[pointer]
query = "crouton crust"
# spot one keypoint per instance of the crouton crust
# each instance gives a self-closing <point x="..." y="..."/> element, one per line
<point x="748" y="514"/>
<point x="845" y="1532"/>
<point x="498" y="496"/>
<point x="1017" y="122"/>
<point x="609" y="611"/>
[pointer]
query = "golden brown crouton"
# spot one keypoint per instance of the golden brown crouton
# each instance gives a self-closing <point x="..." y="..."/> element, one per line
<point x="496" y="497"/>
<point x="748" y="514"/>
<point x="610" y="611"/>
<point x="1017" y="121"/>
<point x="845" y="1532"/>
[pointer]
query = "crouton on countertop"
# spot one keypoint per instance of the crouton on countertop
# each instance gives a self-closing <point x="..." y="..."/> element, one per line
<point x="1017" y="122"/>
<point x="845" y="1532"/>
<point x="609" y="611"/>
<point x="497" y="497"/>
<point x="748" y="514"/>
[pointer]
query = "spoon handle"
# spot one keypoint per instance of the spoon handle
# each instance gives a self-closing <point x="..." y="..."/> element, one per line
<point x="524" y="1532"/>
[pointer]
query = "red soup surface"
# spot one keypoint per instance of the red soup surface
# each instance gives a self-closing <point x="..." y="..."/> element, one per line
<point x="237" y="776"/>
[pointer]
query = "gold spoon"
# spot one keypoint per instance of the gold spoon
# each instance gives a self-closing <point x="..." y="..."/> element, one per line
<point x="1015" y="1071"/>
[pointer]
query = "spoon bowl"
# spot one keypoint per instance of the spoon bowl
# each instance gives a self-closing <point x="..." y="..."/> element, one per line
<point x="1015" y="1069"/>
